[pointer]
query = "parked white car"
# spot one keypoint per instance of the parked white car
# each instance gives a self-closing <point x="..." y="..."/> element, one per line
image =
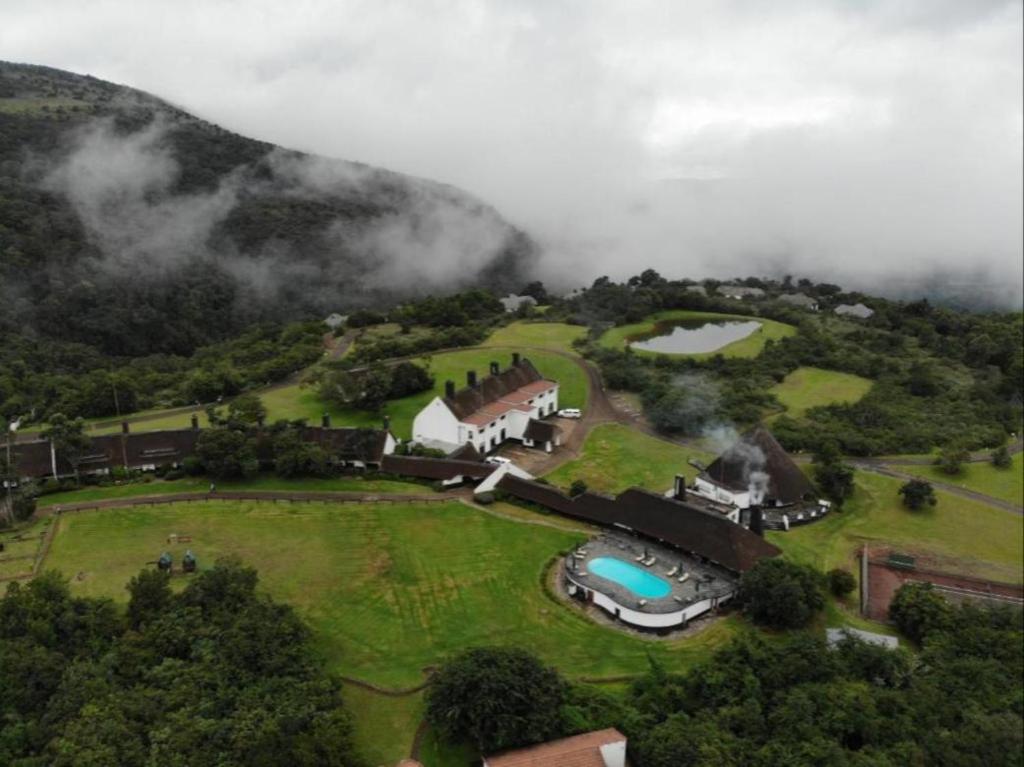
<point x="497" y="459"/>
<point x="570" y="412"/>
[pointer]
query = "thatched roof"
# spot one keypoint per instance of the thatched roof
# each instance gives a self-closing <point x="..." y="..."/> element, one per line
<point x="759" y="451"/>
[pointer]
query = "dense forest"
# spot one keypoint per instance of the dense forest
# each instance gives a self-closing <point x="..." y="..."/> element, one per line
<point x="942" y="377"/>
<point x="763" y="702"/>
<point x="133" y="228"/>
<point x="213" y="674"/>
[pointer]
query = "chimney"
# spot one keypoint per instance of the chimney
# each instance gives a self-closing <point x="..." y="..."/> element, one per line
<point x="756" y="520"/>
<point x="325" y="420"/>
<point x="260" y="420"/>
<point x="679" y="490"/>
<point x="124" y="427"/>
<point x="495" y="369"/>
<point x="195" y="422"/>
<point x="449" y="389"/>
<point x="387" y="423"/>
<point x="471" y="378"/>
<point x="515" y="358"/>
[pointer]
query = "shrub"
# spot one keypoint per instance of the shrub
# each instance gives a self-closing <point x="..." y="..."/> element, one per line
<point x="841" y="582"/>
<point x="781" y="594"/>
<point x="917" y="494"/>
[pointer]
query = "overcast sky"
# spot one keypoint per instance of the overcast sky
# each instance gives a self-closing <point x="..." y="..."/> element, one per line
<point x="836" y="139"/>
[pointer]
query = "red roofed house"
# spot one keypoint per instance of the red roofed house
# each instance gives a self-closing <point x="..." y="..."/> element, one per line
<point x="604" y="748"/>
<point x="507" y="404"/>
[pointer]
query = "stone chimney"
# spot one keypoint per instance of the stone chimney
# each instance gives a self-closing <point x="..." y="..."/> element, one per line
<point x="515" y="358"/>
<point x="471" y="378"/>
<point x="124" y="427"/>
<point x="195" y="422"/>
<point x="325" y="420"/>
<point x="387" y="423"/>
<point x="495" y="369"/>
<point x="757" y="520"/>
<point x="449" y="389"/>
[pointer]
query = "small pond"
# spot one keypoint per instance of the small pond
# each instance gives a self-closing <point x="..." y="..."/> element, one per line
<point x="693" y="336"/>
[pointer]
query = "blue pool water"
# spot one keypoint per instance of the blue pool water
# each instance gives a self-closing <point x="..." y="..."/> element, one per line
<point x="640" y="582"/>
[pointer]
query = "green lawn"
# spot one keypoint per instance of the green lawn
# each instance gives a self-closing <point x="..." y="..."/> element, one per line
<point x="965" y="536"/>
<point x="544" y="335"/>
<point x="384" y="726"/>
<point x="751" y="346"/>
<point x="616" y="457"/>
<point x="808" y="387"/>
<point x="1006" y="484"/>
<point x="356" y="484"/>
<point x="301" y="400"/>
<point x="388" y="589"/>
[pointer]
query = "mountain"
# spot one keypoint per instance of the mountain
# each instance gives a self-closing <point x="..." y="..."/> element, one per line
<point x="131" y="226"/>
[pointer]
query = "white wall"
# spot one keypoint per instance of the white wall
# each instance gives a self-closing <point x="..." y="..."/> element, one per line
<point x="650" y="620"/>
<point x="614" y="754"/>
<point x="720" y="494"/>
<point x="436" y="422"/>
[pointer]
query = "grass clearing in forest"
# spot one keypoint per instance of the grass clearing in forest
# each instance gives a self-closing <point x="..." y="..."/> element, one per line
<point x="809" y="387"/>
<point x="545" y="335"/>
<point x="616" y="457"/>
<point x="1005" y="484"/>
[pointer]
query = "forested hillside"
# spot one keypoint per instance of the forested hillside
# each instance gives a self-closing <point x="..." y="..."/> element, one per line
<point x="133" y="228"/>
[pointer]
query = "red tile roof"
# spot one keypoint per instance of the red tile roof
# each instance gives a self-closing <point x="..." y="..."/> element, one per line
<point x="576" y="751"/>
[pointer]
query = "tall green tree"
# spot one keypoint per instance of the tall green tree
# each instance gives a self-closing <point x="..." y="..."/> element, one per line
<point x="69" y="440"/>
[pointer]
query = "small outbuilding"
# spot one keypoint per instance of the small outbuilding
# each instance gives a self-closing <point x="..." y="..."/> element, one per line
<point x="513" y="303"/>
<point x="800" y="300"/>
<point x="335" y="320"/>
<point x="740" y="291"/>
<point x="856" y="311"/>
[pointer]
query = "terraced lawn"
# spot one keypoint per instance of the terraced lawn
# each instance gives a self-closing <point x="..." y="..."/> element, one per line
<point x="967" y="536"/>
<point x="809" y="387"/>
<point x="545" y="335"/>
<point x="616" y="457"/>
<point x="751" y="346"/>
<point x="1005" y="484"/>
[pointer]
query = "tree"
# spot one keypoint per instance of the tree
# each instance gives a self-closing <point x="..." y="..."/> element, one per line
<point x="294" y="457"/>
<point x="951" y="460"/>
<point x="835" y="478"/>
<point x="917" y="494"/>
<point x="496" y="698"/>
<point x="918" y="610"/>
<point x="246" y="409"/>
<point x="841" y="582"/>
<point x="923" y="381"/>
<point x="780" y="594"/>
<point x="150" y="592"/>
<point x="578" y="487"/>
<point x="408" y="378"/>
<point x="227" y="453"/>
<point x="1000" y="458"/>
<point x="537" y="290"/>
<point x="68" y="438"/>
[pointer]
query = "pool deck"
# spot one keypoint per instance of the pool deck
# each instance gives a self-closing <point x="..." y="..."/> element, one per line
<point x="705" y="581"/>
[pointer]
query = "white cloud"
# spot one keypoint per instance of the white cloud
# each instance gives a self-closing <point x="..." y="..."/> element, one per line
<point x="830" y="138"/>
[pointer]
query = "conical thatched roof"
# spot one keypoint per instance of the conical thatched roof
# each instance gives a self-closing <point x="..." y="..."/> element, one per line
<point x="757" y="451"/>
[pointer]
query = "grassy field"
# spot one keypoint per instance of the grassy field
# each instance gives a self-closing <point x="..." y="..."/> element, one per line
<point x="1006" y="484"/>
<point x="355" y="484"/>
<point x="544" y="335"/>
<point x="751" y="346"/>
<point x="387" y="589"/>
<point x="962" y="535"/>
<point x="616" y="457"/>
<point x="808" y="387"/>
<point x="301" y="400"/>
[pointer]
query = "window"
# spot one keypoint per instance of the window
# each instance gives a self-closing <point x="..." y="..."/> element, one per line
<point x="502" y="435"/>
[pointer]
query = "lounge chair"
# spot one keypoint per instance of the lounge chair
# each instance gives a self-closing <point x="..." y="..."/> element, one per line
<point x="684" y="577"/>
<point x="650" y="561"/>
<point x="673" y="571"/>
<point x="639" y="558"/>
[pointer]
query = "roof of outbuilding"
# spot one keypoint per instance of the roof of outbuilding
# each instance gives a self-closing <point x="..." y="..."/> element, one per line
<point x="435" y="468"/>
<point x="541" y="431"/>
<point x="798" y="299"/>
<point x="758" y="450"/>
<point x="677" y="523"/>
<point x="575" y="751"/>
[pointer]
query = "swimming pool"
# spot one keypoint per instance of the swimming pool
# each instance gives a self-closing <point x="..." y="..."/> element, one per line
<point x="640" y="582"/>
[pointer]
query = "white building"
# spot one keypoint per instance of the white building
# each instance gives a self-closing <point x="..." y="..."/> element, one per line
<point x="800" y="300"/>
<point x="512" y="302"/>
<point x="335" y="320"/>
<point x="740" y="291"/>
<point x="857" y="311"/>
<point x="507" y="404"/>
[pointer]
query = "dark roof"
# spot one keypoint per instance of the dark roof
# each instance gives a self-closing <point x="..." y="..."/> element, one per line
<point x="366" y="445"/>
<point x="675" y="522"/>
<point x="540" y="431"/>
<point x="158" y="447"/>
<point x="759" y="451"/>
<point x="492" y="388"/>
<point x="467" y="452"/>
<point x="435" y="468"/>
